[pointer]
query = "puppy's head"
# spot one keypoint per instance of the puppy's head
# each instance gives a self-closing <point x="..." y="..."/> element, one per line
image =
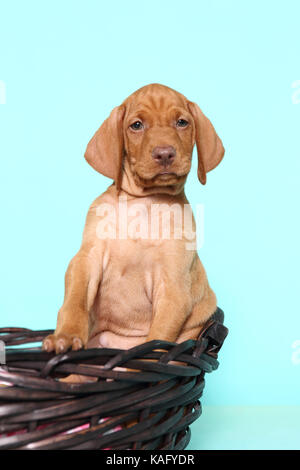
<point x="155" y="129"/>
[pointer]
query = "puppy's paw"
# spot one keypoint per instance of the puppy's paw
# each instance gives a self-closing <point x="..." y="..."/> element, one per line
<point x="61" y="342"/>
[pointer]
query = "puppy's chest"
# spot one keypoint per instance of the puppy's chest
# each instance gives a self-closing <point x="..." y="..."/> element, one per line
<point x="130" y="261"/>
<point x="137" y="243"/>
<point x="126" y="288"/>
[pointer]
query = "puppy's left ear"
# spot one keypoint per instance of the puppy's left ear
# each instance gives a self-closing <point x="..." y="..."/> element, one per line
<point x="105" y="150"/>
<point x="209" y="145"/>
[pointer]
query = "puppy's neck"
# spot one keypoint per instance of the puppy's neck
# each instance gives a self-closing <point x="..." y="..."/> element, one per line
<point x="129" y="186"/>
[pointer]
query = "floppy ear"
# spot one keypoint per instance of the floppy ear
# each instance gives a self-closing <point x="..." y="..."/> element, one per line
<point x="209" y="146"/>
<point x="105" y="150"/>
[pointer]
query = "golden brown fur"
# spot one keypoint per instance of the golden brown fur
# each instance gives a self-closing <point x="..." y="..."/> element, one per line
<point x="122" y="292"/>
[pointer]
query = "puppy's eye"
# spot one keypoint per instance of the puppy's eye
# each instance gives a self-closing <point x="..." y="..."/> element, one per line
<point x="181" y="123"/>
<point x="137" y="126"/>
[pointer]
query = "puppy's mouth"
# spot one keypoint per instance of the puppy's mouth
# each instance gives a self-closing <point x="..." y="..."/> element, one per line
<point x="166" y="172"/>
<point x="163" y="178"/>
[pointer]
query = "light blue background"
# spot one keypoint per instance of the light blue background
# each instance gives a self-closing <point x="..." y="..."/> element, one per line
<point x="66" y="64"/>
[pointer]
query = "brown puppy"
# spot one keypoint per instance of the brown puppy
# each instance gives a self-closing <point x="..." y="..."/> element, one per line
<point x="129" y="285"/>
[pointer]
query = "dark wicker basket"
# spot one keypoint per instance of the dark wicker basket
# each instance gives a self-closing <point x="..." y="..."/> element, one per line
<point x="151" y="408"/>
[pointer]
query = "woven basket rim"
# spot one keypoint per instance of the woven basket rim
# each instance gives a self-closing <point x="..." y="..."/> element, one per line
<point x="161" y="395"/>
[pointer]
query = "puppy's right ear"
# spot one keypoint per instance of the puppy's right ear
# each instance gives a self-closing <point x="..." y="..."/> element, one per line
<point x="105" y="150"/>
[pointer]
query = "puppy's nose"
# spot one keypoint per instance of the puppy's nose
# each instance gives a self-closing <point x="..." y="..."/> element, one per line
<point x="164" y="155"/>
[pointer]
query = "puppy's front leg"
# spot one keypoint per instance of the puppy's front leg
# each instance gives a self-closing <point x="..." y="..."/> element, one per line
<point x="172" y="304"/>
<point x="81" y="285"/>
